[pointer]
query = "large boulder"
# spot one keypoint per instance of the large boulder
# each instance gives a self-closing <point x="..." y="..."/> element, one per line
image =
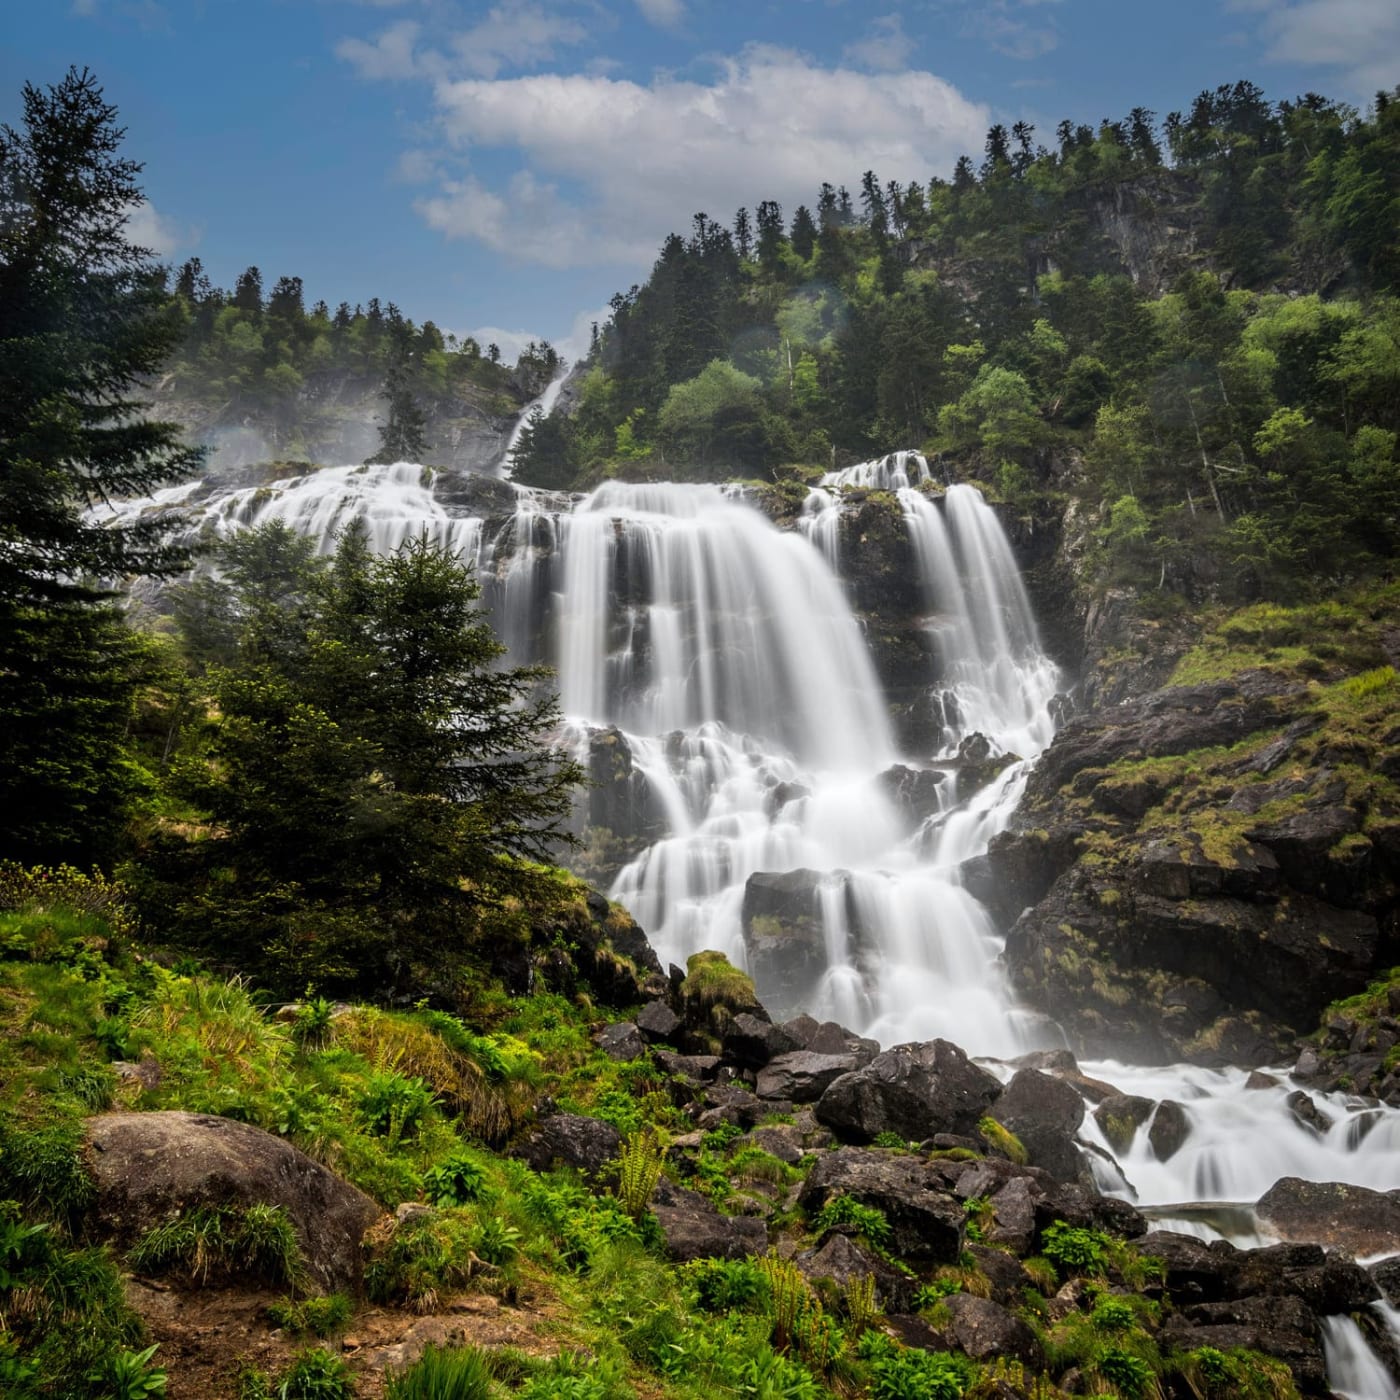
<point x="1045" y="1113"/>
<point x="926" y="1219"/>
<point x="986" y="1330"/>
<point x="150" y="1167"/>
<point x="1361" y="1221"/>
<point x="803" y="1076"/>
<point x="916" y="1091"/>
<point x="843" y="1260"/>
<point x="784" y="941"/>
<point x="694" y="1229"/>
<point x="572" y="1140"/>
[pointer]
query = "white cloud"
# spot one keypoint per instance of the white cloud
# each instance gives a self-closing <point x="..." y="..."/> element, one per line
<point x="886" y="48"/>
<point x="998" y="22"/>
<point x="1360" y="38"/>
<point x="510" y="343"/>
<point x="665" y="13"/>
<point x="515" y="35"/>
<point x="391" y="55"/>
<point x="773" y="125"/>
<point x="148" y="228"/>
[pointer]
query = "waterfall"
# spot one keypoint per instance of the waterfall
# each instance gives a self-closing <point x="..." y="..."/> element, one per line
<point x="1353" y="1369"/>
<point x="545" y="403"/>
<point x="726" y="656"/>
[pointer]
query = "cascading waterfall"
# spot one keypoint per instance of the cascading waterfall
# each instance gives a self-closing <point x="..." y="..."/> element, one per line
<point x="726" y="654"/>
<point x="1353" y="1368"/>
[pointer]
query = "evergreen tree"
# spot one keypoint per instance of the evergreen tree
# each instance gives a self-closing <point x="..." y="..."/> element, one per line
<point x="83" y="320"/>
<point x="248" y="292"/>
<point x="402" y="436"/>
<point x="804" y="233"/>
<point x="743" y="233"/>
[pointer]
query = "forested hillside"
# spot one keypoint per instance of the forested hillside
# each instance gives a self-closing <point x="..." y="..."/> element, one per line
<point x="1188" y="328"/>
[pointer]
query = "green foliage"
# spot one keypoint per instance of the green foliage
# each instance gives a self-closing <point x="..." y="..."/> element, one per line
<point x="1236" y="1375"/>
<point x="42" y="1168"/>
<point x="444" y="1373"/>
<point x="130" y="1375"/>
<point x="900" y="1373"/>
<point x="258" y="1242"/>
<point x="1075" y="1250"/>
<point x="395" y="1105"/>
<point x="457" y="1180"/>
<point x="311" y="1317"/>
<point x="1002" y="1140"/>
<point x="316" y="1374"/>
<point x="639" y="1167"/>
<point x="421" y="1259"/>
<point x="846" y="1210"/>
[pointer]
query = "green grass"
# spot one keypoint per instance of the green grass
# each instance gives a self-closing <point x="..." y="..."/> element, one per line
<point x="258" y="1243"/>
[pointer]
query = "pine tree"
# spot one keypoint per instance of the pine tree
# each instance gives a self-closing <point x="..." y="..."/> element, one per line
<point x="84" y="318"/>
<point x="804" y="232"/>
<point x="402" y="436"/>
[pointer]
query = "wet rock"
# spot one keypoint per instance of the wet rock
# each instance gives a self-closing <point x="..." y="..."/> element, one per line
<point x="572" y="1140"/>
<point x="148" y="1167"/>
<point x="621" y="1041"/>
<point x="1014" y="1219"/>
<point x="1304" y="1110"/>
<point x="752" y="1042"/>
<point x="1004" y="1271"/>
<point x="1353" y="1218"/>
<point x="842" y="1259"/>
<point x="781" y="1140"/>
<point x="926" y="1220"/>
<point x="1325" y="1284"/>
<point x="784" y="941"/>
<point x="699" y="1069"/>
<point x="1309" y="1064"/>
<point x="985" y="1330"/>
<point x="730" y="1103"/>
<point x="1120" y="1117"/>
<point x="1280" y="1327"/>
<point x="694" y="1229"/>
<point x="1045" y="1113"/>
<point x="657" y="1022"/>
<point x="1387" y="1277"/>
<point x="1169" y="1129"/>
<point x="1194" y="1271"/>
<point x="1259" y="1080"/>
<point x="913" y="1090"/>
<point x="802" y="1076"/>
<point x="1304" y="845"/>
<point x="916" y="792"/>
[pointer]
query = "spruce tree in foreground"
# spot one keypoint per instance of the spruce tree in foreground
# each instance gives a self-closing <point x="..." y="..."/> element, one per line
<point x="84" y="319"/>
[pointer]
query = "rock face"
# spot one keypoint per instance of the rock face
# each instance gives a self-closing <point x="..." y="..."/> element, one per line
<point x="1189" y="877"/>
<point x="1348" y="1217"/>
<point x="916" y="1091"/>
<point x="149" y="1167"/>
<point x="985" y="1330"/>
<point x="926" y="1221"/>
<point x="694" y="1229"/>
<point x="571" y="1140"/>
<point x="784" y="943"/>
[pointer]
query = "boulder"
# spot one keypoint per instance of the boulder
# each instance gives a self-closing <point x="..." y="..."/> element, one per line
<point x="657" y="1022"/>
<point x="926" y="1220"/>
<point x="1045" y="1113"/>
<point x="694" y="1229"/>
<point x="784" y="941"/>
<point x="1361" y="1221"/>
<point x="916" y="792"/>
<point x="985" y="1330"/>
<point x="1387" y="1277"/>
<point x="1120" y="1117"/>
<point x="751" y="1042"/>
<point x="1169" y="1129"/>
<point x="1014" y="1215"/>
<point x="1280" y="1327"/>
<point x="913" y="1090"/>
<point x="621" y="1041"/>
<point x="149" y="1167"/>
<point x="802" y="1076"/>
<point x="572" y="1140"/>
<point x="842" y="1259"/>
<point x="1194" y="1271"/>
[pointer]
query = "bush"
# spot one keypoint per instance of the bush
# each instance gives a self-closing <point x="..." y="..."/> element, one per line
<point x="845" y="1210"/>
<point x="394" y="1105"/>
<point x="311" y="1317"/>
<point x="317" y="1375"/>
<point x="728" y="1285"/>
<point x="903" y="1374"/>
<point x="420" y="1259"/>
<point x="259" y="1242"/>
<point x="1074" y="1250"/>
<point x="453" y="1373"/>
<point x="456" y="1181"/>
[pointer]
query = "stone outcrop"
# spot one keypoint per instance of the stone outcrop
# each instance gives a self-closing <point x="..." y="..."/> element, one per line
<point x="148" y="1168"/>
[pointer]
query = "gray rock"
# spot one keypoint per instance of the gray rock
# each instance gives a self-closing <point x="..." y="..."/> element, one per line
<point x="1169" y="1129"/>
<point x="148" y="1167"/>
<point x="572" y="1140"/>
<point x="926" y="1220"/>
<point x="751" y="1042"/>
<point x="802" y="1076"/>
<point x="1120" y="1117"/>
<point x="916" y="1091"/>
<point x="985" y="1329"/>
<point x="841" y="1258"/>
<point x="694" y="1229"/>
<point x="621" y="1041"/>
<point x="657" y="1022"/>
<point x="1045" y="1113"/>
<point x="1353" y="1218"/>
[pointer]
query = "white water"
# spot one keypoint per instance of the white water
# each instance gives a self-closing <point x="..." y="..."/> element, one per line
<point x="1353" y="1369"/>
<point x="726" y="652"/>
<point x="545" y="403"/>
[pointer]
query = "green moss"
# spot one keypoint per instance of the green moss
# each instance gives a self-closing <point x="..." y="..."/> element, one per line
<point x="1003" y="1140"/>
<point x="713" y="981"/>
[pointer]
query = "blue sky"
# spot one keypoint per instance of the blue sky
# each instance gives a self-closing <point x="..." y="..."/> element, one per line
<point x="507" y="166"/>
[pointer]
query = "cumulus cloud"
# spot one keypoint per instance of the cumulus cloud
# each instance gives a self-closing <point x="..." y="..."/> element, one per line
<point x="148" y="228"/>
<point x="886" y="48"/>
<point x="610" y="166"/>
<point x="1359" y="38"/>
<point x="666" y="13"/>
<point x="515" y="34"/>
